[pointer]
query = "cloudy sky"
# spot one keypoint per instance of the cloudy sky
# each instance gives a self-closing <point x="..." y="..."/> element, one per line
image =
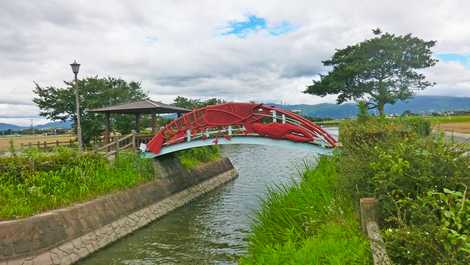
<point x="238" y="50"/>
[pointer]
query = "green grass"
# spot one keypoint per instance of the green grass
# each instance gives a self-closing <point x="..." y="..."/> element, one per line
<point x="311" y="222"/>
<point x="194" y="157"/>
<point x="448" y="119"/>
<point x="35" y="182"/>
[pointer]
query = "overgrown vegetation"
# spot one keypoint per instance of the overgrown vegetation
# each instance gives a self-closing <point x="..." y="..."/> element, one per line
<point x="34" y="181"/>
<point x="420" y="180"/>
<point x="311" y="222"/>
<point x="421" y="183"/>
<point x="191" y="158"/>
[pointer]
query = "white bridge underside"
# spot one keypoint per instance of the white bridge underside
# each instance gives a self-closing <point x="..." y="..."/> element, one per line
<point x="257" y="140"/>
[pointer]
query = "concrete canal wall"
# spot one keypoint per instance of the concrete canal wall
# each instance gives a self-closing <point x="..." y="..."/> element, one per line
<point x="66" y="235"/>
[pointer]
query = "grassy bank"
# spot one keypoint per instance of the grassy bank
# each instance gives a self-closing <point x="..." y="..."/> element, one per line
<point x="32" y="181"/>
<point x="194" y="157"/>
<point x="420" y="180"/>
<point x="312" y="222"/>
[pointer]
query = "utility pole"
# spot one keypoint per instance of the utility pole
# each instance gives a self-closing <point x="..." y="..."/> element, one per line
<point x="75" y="67"/>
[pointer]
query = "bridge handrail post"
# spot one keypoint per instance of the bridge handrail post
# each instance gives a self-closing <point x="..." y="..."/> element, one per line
<point x="229" y="129"/>
<point x="283" y="118"/>
<point x="133" y="139"/>
<point x="116" y="154"/>
<point x="188" y="135"/>
<point x="274" y="115"/>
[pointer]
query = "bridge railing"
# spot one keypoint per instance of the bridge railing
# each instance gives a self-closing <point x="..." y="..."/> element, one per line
<point x="238" y="130"/>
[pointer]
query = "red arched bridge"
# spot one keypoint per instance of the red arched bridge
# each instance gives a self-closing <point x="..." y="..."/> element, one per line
<point x="240" y="123"/>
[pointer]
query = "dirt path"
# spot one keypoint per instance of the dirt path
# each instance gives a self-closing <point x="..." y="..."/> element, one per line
<point x="459" y="127"/>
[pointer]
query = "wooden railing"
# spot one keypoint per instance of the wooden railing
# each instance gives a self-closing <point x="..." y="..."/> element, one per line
<point x="131" y="141"/>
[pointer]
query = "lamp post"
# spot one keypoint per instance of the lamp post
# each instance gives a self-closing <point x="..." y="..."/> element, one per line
<point x="75" y="67"/>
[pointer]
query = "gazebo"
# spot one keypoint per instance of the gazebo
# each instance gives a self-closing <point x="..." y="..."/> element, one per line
<point x="138" y="108"/>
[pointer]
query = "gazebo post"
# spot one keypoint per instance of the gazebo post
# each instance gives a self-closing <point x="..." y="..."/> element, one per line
<point x="107" y="133"/>
<point x="154" y="123"/>
<point x="137" y="122"/>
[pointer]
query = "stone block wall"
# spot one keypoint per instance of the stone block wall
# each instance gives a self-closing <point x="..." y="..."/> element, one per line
<point x="66" y="235"/>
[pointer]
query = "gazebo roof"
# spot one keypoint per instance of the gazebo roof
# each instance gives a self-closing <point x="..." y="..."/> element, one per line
<point x="146" y="106"/>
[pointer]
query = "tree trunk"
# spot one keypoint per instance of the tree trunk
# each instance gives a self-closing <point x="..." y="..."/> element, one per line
<point x="380" y="107"/>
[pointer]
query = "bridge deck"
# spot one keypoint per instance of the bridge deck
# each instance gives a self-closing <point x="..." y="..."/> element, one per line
<point x="256" y="140"/>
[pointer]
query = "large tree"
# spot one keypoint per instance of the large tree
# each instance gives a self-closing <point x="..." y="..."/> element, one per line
<point x="379" y="70"/>
<point x="58" y="103"/>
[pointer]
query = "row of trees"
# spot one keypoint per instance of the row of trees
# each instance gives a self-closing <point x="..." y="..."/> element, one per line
<point x="377" y="71"/>
<point x="57" y="103"/>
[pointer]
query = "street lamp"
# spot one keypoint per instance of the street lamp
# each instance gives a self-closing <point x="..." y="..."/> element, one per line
<point x="75" y="67"/>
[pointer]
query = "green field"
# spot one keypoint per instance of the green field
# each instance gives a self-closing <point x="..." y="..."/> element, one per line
<point x="448" y="119"/>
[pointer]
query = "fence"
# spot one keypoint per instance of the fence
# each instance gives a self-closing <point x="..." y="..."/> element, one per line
<point x="45" y="145"/>
<point x="130" y="141"/>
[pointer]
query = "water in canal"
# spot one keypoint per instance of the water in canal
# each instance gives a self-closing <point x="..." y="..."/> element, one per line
<point x="212" y="229"/>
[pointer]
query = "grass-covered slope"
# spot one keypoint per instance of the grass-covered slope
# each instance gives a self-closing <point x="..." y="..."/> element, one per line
<point x="33" y="182"/>
<point x="311" y="222"/>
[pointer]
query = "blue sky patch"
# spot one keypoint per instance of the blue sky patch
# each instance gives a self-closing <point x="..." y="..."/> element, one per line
<point x="455" y="57"/>
<point x="254" y="24"/>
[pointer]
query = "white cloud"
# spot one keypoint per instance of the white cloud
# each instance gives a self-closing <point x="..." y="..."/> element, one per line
<point x="175" y="47"/>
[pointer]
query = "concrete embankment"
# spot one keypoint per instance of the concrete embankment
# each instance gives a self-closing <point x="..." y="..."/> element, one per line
<point x="64" y="236"/>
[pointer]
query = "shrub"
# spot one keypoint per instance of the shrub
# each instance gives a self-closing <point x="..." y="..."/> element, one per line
<point x="413" y="177"/>
<point x="421" y="126"/>
<point x="191" y="158"/>
<point x="436" y="224"/>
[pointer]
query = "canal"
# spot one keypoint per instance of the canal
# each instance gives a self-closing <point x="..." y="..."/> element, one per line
<point x="212" y="229"/>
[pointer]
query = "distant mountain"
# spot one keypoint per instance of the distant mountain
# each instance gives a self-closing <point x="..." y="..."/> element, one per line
<point x="55" y="125"/>
<point x="419" y="104"/>
<point x="6" y="126"/>
<point x="49" y="125"/>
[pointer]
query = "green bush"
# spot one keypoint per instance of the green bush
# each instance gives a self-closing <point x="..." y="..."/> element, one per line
<point x="395" y="162"/>
<point x="34" y="182"/>
<point x="310" y="222"/>
<point x="433" y="228"/>
<point x="421" y="126"/>
<point x="191" y="158"/>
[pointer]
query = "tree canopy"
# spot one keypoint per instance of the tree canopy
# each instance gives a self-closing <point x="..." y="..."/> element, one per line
<point x="58" y="103"/>
<point x="379" y="70"/>
<point x="188" y="103"/>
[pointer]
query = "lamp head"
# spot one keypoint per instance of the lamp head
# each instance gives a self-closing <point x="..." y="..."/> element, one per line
<point x="75" y="67"/>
